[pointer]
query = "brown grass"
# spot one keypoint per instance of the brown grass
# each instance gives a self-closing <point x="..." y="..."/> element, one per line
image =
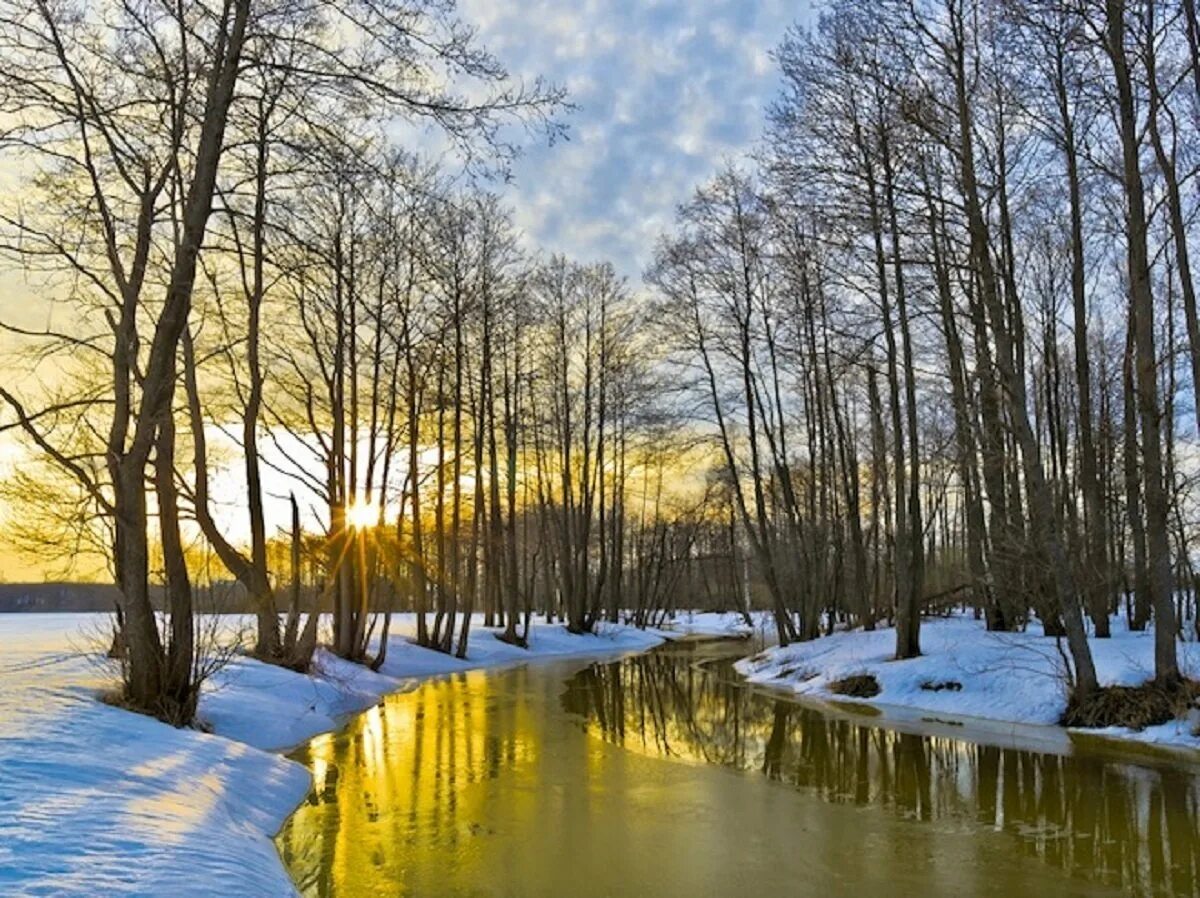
<point x="797" y="671"/>
<point x="856" y="685"/>
<point x="167" y="712"/>
<point x="942" y="686"/>
<point x="1135" y="707"/>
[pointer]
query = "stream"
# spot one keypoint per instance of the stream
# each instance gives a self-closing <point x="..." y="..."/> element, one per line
<point x="664" y="774"/>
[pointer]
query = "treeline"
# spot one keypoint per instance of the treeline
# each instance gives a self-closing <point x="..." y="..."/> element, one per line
<point x="191" y="177"/>
<point x="935" y="343"/>
<point x="242" y="275"/>
<point x="944" y="323"/>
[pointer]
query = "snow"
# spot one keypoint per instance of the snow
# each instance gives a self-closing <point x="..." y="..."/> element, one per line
<point x="276" y="709"/>
<point x="1012" y="677"/>
<point x="95" y="800"/>
<point x="724" y="624"/>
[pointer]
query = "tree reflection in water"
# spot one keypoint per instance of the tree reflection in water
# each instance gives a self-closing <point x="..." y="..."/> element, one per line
<point x="483" y="784"/>
<point x="1132" y="825"/>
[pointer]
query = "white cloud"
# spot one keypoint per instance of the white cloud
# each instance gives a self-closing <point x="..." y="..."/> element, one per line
<point x="665" y="90"/>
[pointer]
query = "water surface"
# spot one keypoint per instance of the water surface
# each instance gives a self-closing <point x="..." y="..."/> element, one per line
<point x="664" y="775"/>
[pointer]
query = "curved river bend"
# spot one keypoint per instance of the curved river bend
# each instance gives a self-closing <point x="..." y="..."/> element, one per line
<point x="664" y="775"/>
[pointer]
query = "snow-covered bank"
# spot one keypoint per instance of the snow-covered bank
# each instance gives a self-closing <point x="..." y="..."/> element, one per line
<point x="968" y="672"/>
<point x="724" y="624"/>
<point x="95" y="800"/>
<point x="276" y="709"/>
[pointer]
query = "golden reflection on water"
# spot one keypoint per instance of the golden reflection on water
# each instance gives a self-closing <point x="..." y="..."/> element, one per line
<point x="1096" y="816"/>
<point x="504" y="784"/>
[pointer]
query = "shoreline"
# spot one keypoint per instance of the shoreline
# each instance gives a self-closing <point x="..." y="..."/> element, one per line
<point x="100" y="800"/>
<point x="97" y="799"/>
<point x="968" y="675"/>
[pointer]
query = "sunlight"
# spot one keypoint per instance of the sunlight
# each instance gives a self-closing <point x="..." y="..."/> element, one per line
<point x="790" y="484"/>
<point x="362" y="514"/>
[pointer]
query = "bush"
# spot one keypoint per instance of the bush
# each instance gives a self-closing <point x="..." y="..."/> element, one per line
<point x="1134" y="707"/>
<point x="856" y="685"/>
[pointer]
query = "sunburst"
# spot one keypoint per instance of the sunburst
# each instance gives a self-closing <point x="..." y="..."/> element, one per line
<point x="362" y="514"/>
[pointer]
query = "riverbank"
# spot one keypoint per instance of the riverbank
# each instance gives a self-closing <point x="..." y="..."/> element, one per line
<point x="489" y="784"/>
<point x="96" y="800"/>
<point x="965" y="671"/>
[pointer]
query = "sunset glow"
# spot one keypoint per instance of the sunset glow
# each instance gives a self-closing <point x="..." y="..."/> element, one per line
<point x="362" y="514"/>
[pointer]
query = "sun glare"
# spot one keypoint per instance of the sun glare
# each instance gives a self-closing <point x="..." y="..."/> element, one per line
<point x="362" y="514"/>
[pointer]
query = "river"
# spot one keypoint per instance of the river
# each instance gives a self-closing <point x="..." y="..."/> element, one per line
<point x="664" y="774"/>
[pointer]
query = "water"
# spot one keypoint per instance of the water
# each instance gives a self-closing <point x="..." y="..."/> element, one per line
<point x="663" y="775"/>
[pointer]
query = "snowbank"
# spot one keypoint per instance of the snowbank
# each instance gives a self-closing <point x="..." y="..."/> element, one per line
<point x="275" y="709"/>
<point x="1012" y="677"/>
<point x="95" y="800"/>
<point x="727" y="624"/>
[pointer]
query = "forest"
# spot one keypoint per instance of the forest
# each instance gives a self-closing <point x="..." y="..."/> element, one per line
<point x="932" y="344"/>
<point x="526" y="449"/>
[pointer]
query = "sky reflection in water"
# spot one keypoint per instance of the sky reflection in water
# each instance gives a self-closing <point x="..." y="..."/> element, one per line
<point x="656" y="775"/>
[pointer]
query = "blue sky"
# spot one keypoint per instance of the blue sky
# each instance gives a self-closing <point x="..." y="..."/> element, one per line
<point x="665" y="90"/>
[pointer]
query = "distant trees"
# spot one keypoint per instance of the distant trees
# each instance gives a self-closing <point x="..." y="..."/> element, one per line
<point x="497" y="415"/>
<point x="714" y="278"/>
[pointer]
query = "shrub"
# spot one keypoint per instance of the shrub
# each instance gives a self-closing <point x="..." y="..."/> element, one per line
<point x="1134" y="707"/>
<point x="856" y="685"/>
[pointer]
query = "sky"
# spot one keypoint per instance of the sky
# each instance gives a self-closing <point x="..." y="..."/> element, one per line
<point x="664" y="89"/>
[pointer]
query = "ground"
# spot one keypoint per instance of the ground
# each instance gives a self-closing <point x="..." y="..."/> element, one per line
<point x="965" y="671"/>
<point x="95" y="800"/>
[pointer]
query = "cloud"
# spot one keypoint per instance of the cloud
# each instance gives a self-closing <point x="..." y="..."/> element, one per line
<point x="665" y="90"/>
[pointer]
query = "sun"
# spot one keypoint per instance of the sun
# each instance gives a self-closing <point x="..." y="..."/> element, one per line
<point x="362" y="514"/>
